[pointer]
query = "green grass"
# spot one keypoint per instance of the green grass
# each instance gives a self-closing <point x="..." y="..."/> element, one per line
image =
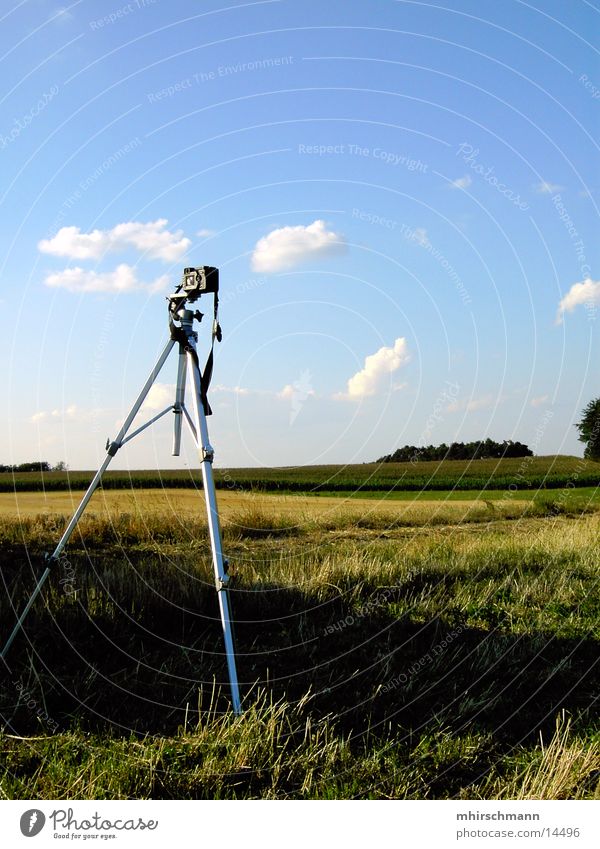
<point x="274" y="752"/>
<point x="528" y="473"/>
<point x="378" y="659"/>
<point x="589" y="494"/>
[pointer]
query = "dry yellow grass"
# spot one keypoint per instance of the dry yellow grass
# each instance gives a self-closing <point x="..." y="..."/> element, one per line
<point x="560" y="771"/>
<point x="111" y="503"/>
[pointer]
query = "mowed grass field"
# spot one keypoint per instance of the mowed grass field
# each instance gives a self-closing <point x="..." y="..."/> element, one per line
<point x="178" y="506"/>
<point x="425" y="645"/>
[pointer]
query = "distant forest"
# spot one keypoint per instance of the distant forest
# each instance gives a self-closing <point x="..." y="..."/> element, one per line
<point x="484" y="449"/>
<point x="36" y="466"/>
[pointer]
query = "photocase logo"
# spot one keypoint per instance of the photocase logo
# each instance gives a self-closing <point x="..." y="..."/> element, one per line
<point x="32" y="822"/>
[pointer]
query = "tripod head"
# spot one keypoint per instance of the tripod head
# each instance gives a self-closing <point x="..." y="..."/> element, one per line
<point x="194" y="283"/>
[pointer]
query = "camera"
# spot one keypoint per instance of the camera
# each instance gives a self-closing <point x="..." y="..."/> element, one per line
<point x="199" y="281"/>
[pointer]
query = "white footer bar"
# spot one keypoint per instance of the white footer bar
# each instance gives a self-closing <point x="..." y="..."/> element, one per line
<point x="303" y="824"/>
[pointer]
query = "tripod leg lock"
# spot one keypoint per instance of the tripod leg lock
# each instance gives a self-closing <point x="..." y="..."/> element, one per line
<point x="208" y="453"/>
<point x="112" y="447"/>
<point x="225" y="579"/>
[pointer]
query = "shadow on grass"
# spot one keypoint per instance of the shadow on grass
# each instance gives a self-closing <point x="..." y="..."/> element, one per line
<point x="138" y="648"/>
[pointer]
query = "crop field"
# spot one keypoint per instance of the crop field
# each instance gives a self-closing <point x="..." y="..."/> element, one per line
<point x="525" y="473"/>
<point x="441" y="644"/>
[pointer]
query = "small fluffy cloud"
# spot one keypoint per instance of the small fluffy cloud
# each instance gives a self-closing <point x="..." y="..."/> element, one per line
<point x="297" y="393"/>
<point x="586" y="292"/>
<point x="370" y="379"/>
<point x="480" y="403"/>
<point x="537" y="402"/>
<point x="70" y="413"/>
<point x="205" y="233"/>
<point x="231" y="390"/>
<point x="161" y="396"/>
<point x="544" y="187"/>
<point x="288" y="247"/>
<point x="473" y="404"/>
<point x="150" y="238"/>
<point x="300" y="387"/>
<point x="461" y="182"/>
<point x="122" y="279"/>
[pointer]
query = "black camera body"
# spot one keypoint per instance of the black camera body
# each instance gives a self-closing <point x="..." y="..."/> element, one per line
<point x="199" y="281"/>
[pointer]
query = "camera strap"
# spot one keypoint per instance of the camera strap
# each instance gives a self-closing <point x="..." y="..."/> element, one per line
<point x="206" y="375"/>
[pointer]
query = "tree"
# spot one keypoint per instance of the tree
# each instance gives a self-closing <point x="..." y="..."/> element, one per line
<point x="483" y="449"/>
<point x="589" y="430"/>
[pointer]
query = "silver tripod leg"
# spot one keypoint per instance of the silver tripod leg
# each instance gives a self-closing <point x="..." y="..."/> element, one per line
<point x="111" y="449"/>
<point x="179" y="400"/>
<point x="214" y="529"/>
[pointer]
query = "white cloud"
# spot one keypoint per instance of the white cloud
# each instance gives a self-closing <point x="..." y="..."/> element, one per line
<point x="122" y="279"/>
<point x="151" y="239"/>
<point x="480" y="403"/>
<point x="544" y="187"/>
<point x="287" y="393"/>
<point x="71" y="413"/>
<point x="288" y="247"/>
<point x="370" y="379"/>
<point x="243" y="392"/>
<point x="461" y="182"/>
<point x="473" y="404"/>
<point x="299" y="390"/>
<point x="586" y="292"/>
<point x="232" y="390"/>
<point x="161" y="395"/>
<point x="302" y="386"/>
<point x="297" y="393"/>
<point x="205" y="233"/>
<point x="537" y="402"/>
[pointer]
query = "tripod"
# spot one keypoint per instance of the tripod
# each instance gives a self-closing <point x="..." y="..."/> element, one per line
<point x="181" y="321"/>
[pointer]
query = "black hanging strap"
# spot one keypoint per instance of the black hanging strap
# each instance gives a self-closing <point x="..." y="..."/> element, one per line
<point x="206" y="375"/>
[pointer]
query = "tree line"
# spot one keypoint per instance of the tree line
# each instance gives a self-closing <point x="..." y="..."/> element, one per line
<point x="480" y="450"/>
<point x="36" y="466"/>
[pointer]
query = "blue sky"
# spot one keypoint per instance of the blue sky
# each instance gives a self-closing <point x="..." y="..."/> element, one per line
<point x="402" y="198"/>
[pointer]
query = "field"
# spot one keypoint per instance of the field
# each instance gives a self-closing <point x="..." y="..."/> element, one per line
<point x="526" y="473"/>
<point x="435" y="644"/>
